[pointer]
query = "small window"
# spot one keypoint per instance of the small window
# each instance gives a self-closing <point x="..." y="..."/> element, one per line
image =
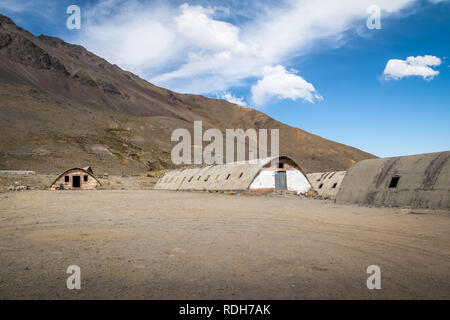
<point x="66" y="179"/>
<point x="85" y="178"/>
<point x="176" y="180"/>
<point x="320" y="186"/>
<point x="198" y="179"/>
<point x="190" y="179"/>
<point x="207" y="178"/>
<point x="394" y="182"/>
<point x="217" y="177"/>
<point x="184" y="178"/>
<point x="240" y="176"/>
<point x="280" y="165"/>
<point x="228" y="176"/>
<point x="334" y="185"/>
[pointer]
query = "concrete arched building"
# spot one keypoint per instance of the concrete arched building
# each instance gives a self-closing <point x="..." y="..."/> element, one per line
<point x="326" y="184"/>
<point x="76" y="179"/>
<point x="418" y="181"/>
<point x="264" y="175"/>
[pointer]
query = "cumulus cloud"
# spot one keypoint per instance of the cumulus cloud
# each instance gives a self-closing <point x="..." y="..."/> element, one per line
<point x="413" y="66"/>
<point x="134" y="36"/>
<point x="233" y="99"/>
<point x="204" y="49"/>
<point x="279" y="83"/>
<point x="195" y="24"/>
<point x="272" y="36"/>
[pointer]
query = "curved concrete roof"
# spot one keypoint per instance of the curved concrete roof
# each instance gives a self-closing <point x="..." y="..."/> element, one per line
<point x="326" y="184"/>
<point x="228" y="176"/>
<point x="88" y="170"/>
<point x="423" y="182"/>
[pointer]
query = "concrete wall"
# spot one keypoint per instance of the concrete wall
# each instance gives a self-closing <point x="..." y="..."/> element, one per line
<point x="424" y="182"/>
<point x="327" y="184"/>
<point x="220" y="177"/>
<point x="234" y="176"/>
<point x="60" y="182"/>
<point x="297" y="181"/>
<point x="264" y="180"/>
<point x="20" y="172"/>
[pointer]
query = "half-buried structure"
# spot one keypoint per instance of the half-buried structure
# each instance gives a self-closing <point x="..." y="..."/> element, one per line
<point x="326" y="184"/>
<point x="418" y="181"/>
<point x="260" y="176"/>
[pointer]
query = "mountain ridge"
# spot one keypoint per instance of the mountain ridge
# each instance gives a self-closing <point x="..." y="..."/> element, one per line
<point x="63" y="106"/>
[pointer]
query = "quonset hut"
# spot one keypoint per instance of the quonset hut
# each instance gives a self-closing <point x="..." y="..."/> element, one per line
<point x="326" y="184"/>
<point x="264" y="175"/>
<point x="418" y="181"/>
<point x="76" y="179"/>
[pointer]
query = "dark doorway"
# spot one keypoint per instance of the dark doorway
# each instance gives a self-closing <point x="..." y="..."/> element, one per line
<point x="76" y="181"/>
<point x="280" y="179"/>
<point x="394" y="182"/>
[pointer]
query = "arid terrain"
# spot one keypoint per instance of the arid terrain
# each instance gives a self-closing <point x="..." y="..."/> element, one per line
<point x="9" y="182"/>
<point x="62" y="106"/>
<point x="193" y="245"/>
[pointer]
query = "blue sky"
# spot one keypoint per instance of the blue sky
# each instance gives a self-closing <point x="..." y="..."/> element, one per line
<point x="310" y="64"/>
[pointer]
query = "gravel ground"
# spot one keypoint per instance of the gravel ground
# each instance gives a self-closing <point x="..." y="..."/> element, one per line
<point x="192" y="245"/>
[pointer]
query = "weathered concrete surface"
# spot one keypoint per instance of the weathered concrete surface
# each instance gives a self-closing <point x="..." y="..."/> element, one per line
<point x="60" y="182"/>
<point x="195" y="245"/>
<point x="326" y="184"/>
<point x="424" y="182"/>
<point x="235" y="176"/>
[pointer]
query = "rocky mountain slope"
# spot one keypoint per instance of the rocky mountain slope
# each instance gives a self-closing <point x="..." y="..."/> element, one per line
<point x="62" y="106"/>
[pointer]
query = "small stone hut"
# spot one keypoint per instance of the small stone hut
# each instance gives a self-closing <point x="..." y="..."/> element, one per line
<point x="76" y="179"/>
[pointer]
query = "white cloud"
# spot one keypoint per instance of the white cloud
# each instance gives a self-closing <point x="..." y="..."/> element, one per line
<point x="136" y="37"/>
<point x="202" y="49"/>
<point x="279" y="83"/>
<point x="231" y="98"/>
<point x="412" y="66"/>
<point x="201" y="31"/>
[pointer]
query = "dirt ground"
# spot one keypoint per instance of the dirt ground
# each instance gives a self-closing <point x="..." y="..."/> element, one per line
<point x="148" y="244"/>
<point x="113" y="182"/>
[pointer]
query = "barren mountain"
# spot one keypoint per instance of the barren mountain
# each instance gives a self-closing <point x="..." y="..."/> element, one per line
<point x="62" y="106"/>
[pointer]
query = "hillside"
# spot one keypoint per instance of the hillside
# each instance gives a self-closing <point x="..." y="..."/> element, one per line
<point x="63" y="106"/>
